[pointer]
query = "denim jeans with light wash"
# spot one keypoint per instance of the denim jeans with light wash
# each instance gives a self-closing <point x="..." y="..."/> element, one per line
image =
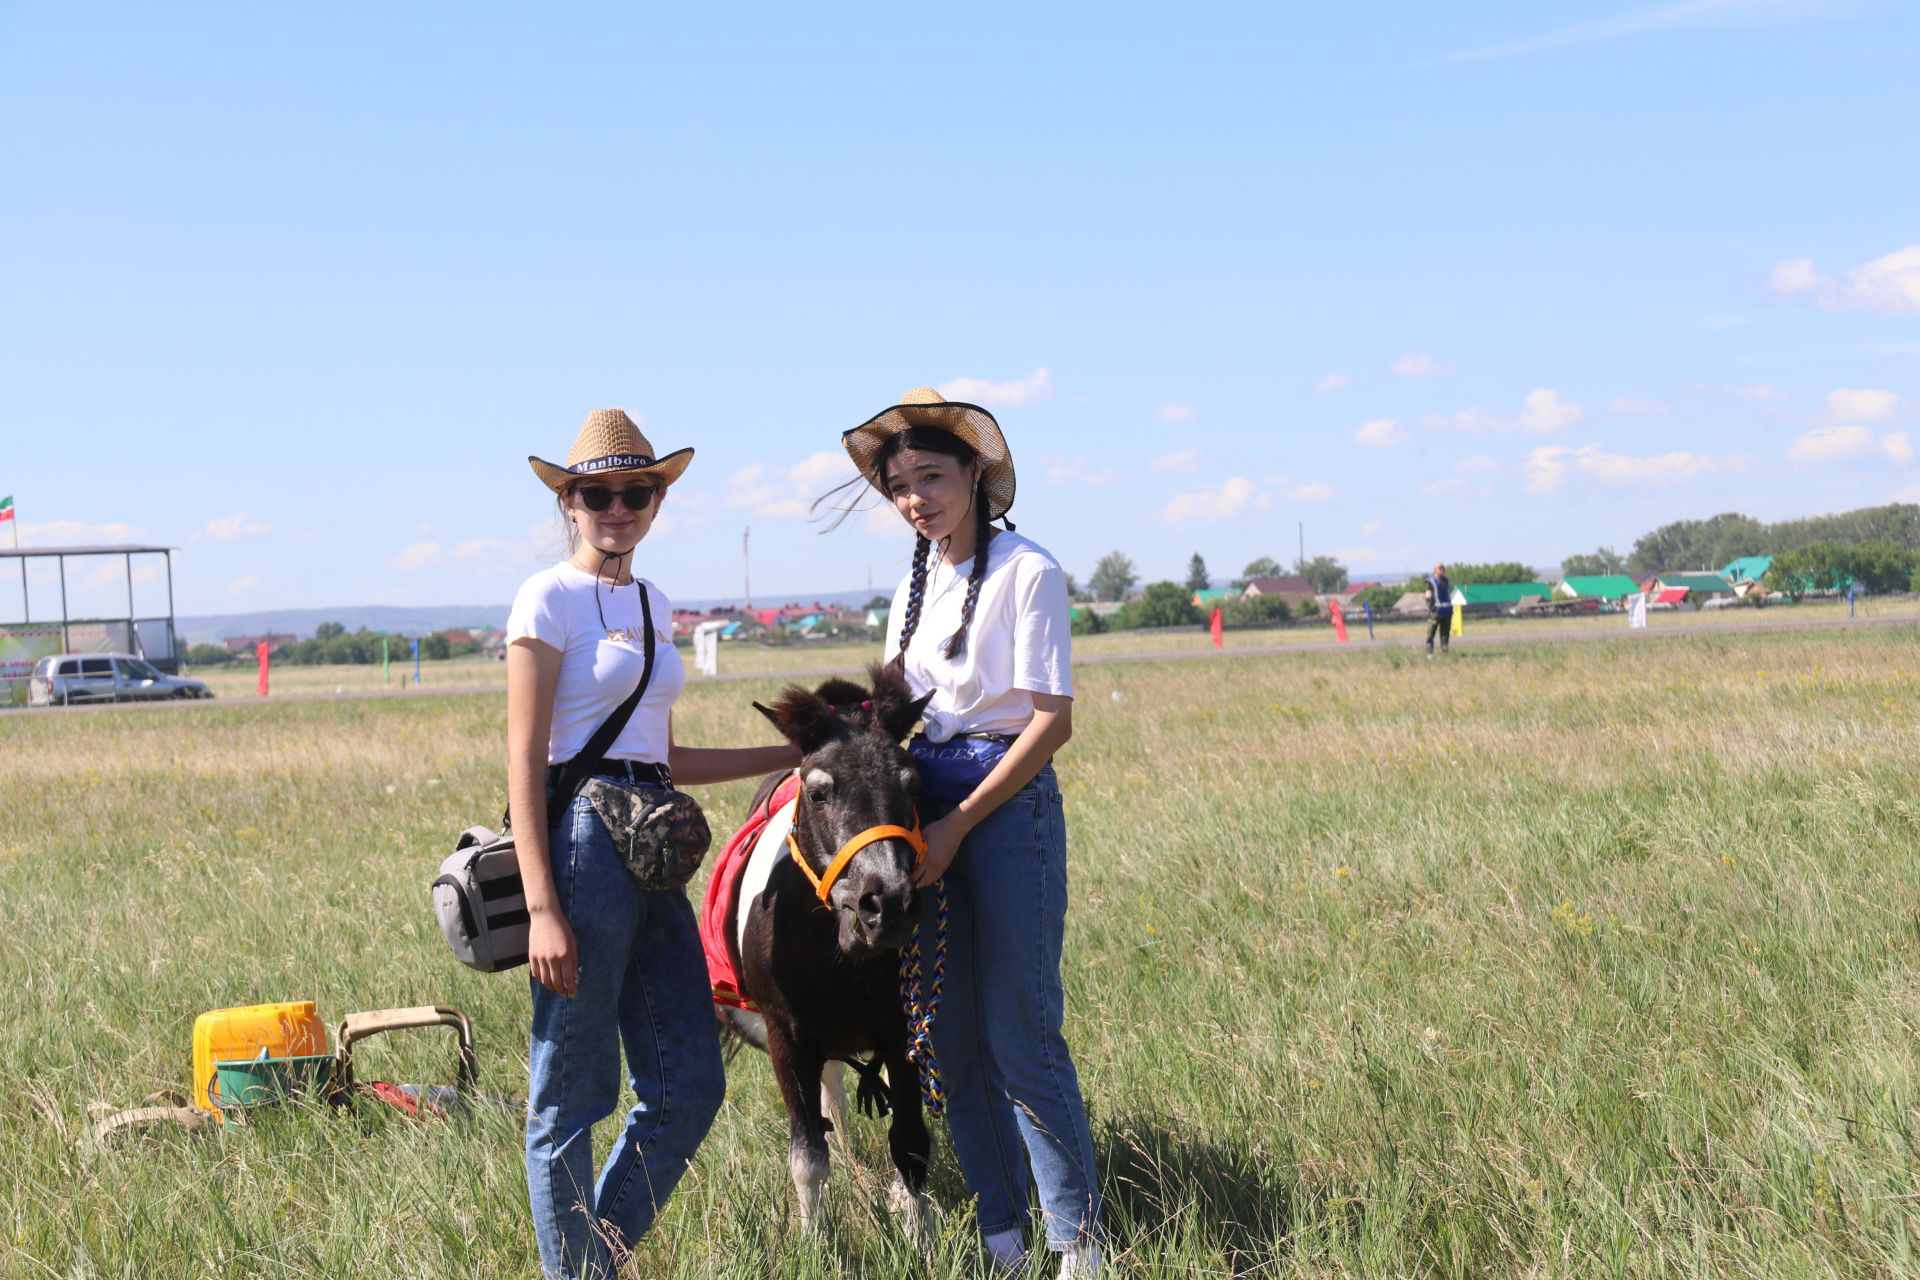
<point x="1013" y="1098"/>
<point x="643" y="983"/>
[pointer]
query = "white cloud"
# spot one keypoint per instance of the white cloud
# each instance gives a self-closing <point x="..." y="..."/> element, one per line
<point x="1856" y="404"/>
<point x="1381" y="433"/>
<point x="1889" y="283"/>
<point x="1176" y="462"/>
<point x="1897" y="447"/>
<point x="1215" y="505"/>
<point x="476" y="550"/>
<point x="1678" y="14"/>
<point x="1372" y="527"/>
<point x="240" y="586"/>
<point x="1357" y="554"/>
<point x="1174" y="413"/>
<point x="238" y="527"/>
<point x="1079" y="469"/>
<point x="1330" y="383"/>
<point x="1793" y="275"/>
<point x="1037" y="385"/>
<point x="1905" y="493"/>
<point x="1310" y="491"/>
<point x="1471" y="471"/>
<point x="772" y="493"/>
<point x="76" y="533"/>
<point x="1755" y="393"/>
<point x="1548" y="467"/>
<point x="1830" y="444"/>
<point x="1414" y="364"/>
<point x="1543" y="412"/>
<point x="417" y="556"/>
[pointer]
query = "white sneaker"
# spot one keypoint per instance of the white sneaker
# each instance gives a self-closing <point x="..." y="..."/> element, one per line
<point x="1080" y="1262"/>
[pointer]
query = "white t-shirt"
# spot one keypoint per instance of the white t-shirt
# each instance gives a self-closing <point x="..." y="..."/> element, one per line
<point x="1016" y="647"/>
<point x="600" y="665"/>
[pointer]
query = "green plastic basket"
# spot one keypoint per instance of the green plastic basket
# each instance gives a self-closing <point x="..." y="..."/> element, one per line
<point x="251" y="1082"/>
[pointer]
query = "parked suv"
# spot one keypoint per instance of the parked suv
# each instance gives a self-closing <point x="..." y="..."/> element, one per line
<point x="72" y="678"/>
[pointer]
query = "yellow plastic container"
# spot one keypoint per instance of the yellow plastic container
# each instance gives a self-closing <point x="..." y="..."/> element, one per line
<point x="291" y="1029"/>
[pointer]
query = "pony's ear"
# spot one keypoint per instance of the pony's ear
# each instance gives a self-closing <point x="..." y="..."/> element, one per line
<point x="894" y="706"/>
<point x="803" y="718"/>
<point x="841" y="694"/>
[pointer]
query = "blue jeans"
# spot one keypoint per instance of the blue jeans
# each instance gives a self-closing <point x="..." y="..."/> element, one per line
<point x="1013" y="1098"/>
<point x="643" y="983"/>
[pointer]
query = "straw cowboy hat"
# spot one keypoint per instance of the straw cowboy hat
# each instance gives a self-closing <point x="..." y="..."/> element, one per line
<point x="609" y="444"/>
<point x="925" y="407"/>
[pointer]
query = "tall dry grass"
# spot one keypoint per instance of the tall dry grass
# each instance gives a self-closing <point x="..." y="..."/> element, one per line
<point x="1580" y="960"/>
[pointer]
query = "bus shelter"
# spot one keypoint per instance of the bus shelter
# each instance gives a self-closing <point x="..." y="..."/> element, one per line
<point x="24" y="643"/>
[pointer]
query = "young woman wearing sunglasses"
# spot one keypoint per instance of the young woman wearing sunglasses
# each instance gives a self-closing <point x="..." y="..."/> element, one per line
<point x="612" y="965"/>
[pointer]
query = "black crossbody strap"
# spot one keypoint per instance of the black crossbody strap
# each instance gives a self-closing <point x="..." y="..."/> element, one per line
<point x="581" y="767"/>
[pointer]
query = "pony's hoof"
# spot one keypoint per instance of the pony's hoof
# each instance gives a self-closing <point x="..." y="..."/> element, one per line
<point x="917" y="1213"/>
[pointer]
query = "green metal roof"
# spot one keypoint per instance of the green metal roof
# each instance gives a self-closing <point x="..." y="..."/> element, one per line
<point x="1503" y="592"/>
<point x="1606" y="586"/>
<point x="1703" y="582"/>
<point x="1747" y="568"/>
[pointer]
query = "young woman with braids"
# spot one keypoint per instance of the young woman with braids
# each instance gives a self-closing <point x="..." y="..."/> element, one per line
<point x="982" y="623"/>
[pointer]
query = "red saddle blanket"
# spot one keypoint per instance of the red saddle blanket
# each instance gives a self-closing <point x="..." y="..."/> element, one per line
<point x="719" y="934"/>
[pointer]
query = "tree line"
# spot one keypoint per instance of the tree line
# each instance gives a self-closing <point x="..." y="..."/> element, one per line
<point x="1876" y="547"/>
<point x="331" y="644"/>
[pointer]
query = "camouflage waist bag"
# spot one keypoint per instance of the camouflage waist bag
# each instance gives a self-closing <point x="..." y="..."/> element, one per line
<point x="660" y="834"/>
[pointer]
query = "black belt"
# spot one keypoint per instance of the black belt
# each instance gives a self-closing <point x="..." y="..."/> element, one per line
<point x="631" y="770"/>
<point x="1005" y="739"/>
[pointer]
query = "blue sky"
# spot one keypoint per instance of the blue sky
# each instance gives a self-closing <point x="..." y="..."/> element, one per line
<point x="298" y="290"/>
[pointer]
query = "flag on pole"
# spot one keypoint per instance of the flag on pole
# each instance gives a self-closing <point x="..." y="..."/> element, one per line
<point x="1459" y="617"/>
<point x="261" y="652"/>
<point x="6" y="508"/>
<point x="1339" y="617"/>
<point x="1217" y="627"/>
<point x="386" y="673"/>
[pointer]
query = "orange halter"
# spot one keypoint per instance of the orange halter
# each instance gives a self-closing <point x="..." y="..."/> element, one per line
<point x="823" y="884"/>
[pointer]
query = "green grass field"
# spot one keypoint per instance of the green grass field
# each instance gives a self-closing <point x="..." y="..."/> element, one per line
<point x="1570" y="960"/>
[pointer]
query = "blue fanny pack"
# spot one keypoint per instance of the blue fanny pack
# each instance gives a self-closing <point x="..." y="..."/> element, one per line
<point x="950" y="770"/>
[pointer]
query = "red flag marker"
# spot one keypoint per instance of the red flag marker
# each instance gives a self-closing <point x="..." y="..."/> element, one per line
<point x="1216" y="627"/>
<point x="1339" y="617"/>
<point x="261" y="653"/>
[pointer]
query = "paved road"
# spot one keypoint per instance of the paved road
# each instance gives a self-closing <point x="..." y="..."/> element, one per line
<point x="1484" y="634"/>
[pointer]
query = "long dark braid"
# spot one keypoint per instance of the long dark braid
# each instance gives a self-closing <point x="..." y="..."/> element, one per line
<point x="982" y="533"/>
<point x="916" y="590"/>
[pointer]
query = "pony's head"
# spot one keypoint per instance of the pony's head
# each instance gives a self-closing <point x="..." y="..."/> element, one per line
<point x="854" y="778"/>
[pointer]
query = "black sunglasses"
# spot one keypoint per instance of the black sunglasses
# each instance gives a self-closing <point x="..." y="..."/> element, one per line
<point x="597" y="497"/>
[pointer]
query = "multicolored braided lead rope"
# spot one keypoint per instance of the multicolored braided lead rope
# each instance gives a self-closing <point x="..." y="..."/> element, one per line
<point x="922" y="1008"/>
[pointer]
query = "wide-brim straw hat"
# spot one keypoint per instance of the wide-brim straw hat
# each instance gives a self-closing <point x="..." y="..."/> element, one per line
<point x="610" y="445"/>
<point x="925" y="407"/>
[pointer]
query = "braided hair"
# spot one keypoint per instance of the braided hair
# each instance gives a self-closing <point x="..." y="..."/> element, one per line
<point x="982" y="532"/>
<point x="935" y="440"/>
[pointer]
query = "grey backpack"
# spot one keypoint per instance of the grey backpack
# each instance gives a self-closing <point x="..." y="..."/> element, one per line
<point x="478" y="899"/>
<point x="479" y="902"/>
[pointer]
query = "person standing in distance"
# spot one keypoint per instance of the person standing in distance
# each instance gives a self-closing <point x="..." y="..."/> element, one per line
<point x="1439" y="608"/>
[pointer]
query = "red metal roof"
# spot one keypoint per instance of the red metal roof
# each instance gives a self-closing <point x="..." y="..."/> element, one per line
<point x="1672" y="595"/>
